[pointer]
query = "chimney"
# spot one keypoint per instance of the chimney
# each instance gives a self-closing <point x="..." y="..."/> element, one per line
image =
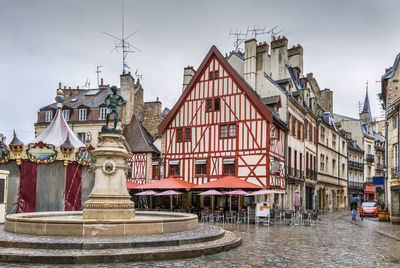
<point x="262" y="58"/>
<point x="279" y="58"/>
<point x="127" y="91"/>
<point x="250" y="62"/>
<point x="188" y="73"/>
<point x="295" y="57"/>
<point x="59" y="85"/>
<point x="326" y="100"/>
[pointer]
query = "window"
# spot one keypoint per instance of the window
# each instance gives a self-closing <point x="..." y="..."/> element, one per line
<point x="322" y="133"/>
<point x="179" y="135"/>
<point x="306" y="135"/>
<point x="290" y="157"/>
<point x="155" y="171"/>
<point x="174" y="168"/>
<point x="369" y="148"/>
<point x="201" y="167"/>
<point x="82" y="114"/>
<point x="48" y="116"/>
<point x="216" y="104"/>
<point x="343" y="169"/>
<point x="395" y="121"/>
<point x="350" y="176"/>
<point x="322" y="162"/>
<point x="103" y="114"/>
<point x="211" y="76"/>
<point x="66" y="115"/>
<point x="299" y="127"/>
<point x="333" y="140"/>
<point x="232" y="130"/>
<point x="2" y="189"/>
<point x="209" y="105"/>
<point x="327" y="163"/>
<point x="188" y="134"/>
<point x="396" y="155"/>
<point x="350" y="156"/>
<point x="229" y="167"/>
<point x="343" y="147"/>
<point x="82" y="137"/>
<point x="310" y="134"/>
<point x="294" y="126"/>
<point x="223" y="131"/>
<point x="216" y="74"/>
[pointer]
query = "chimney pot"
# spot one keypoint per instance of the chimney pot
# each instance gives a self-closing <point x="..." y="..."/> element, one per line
<point x="157" y="99"/>
<point x="101" y="82"/>
<point x="59" y="85"/>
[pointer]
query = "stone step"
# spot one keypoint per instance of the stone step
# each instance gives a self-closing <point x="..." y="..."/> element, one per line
<point x="203" y="233"/>
<point x="79" y="256"/>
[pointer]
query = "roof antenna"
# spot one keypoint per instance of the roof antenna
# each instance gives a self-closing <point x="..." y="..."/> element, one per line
<point x="239" y="38"/>
<point x="123" y="44"/>
<point x="273" y="33"/>
<point x="98" y="73"/>
<point x="256" y="31"/>
<point x="87" y="83"/>
<point x="138" y="76"/>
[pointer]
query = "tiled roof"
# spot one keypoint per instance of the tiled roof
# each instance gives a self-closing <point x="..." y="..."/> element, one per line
<point x="390" y="72"/>
<point x="138" y="138"/>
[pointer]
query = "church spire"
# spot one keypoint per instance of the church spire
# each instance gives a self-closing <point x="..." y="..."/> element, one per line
<point x="367" y="107"/>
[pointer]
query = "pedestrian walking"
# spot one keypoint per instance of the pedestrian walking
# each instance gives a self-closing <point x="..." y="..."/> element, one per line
<point x="353" y="207"/>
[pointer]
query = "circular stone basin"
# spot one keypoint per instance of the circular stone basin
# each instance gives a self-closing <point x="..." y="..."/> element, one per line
<point x="70" y="223"/>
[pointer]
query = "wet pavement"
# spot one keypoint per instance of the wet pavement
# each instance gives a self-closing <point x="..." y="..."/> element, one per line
<point x="335" y="242"/>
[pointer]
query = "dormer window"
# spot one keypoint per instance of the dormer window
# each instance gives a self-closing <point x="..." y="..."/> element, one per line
<point x="103" y="114"/>
<point x="66" y="114"/>
<point x="82" y="114"/>
<point x="48" y="116"/>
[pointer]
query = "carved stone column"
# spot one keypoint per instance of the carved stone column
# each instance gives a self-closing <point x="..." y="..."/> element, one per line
<point x="109" y="198"/>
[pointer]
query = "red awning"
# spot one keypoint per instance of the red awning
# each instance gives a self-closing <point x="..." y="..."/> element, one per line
<point x="167" y="184"/>
<point x="132" y="185"/>
<point x="228" y="182"/>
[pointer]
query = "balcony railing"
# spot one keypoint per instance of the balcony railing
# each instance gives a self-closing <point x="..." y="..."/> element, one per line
<point x="379" y="148"/>
<point x="355" y="184"/>
<point x="311" y="174"/>
<point x="294" y="172"/>
<point x="353" y="164"/>
<point x="291" y="171"/>
<point x="395" y="172"/>
<point x="370" y="158"/>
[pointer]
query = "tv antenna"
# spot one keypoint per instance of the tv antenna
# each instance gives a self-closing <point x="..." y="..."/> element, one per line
<point x="122" y="43"/>
<point x="274" y="33"/>
<point x="98" y="73"/>
<point x="239" y="38"/>
<point x="87" y="83"/>
<point x="256" y="31"/>
<point x="138" y="76"/>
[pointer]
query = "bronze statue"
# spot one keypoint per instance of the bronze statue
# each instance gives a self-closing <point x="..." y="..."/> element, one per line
<point x="115" y="102"/>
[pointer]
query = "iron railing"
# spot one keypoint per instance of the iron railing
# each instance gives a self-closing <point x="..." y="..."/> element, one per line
<point x="370" y="158"/>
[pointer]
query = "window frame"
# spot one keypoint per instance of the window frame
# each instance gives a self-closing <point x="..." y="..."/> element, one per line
<point x="102" y="111"/>
<point x="176" y="170"/>
<point x="81" y="112"/>
<point x="48" y="116"/>
<point x="66" y="112"/>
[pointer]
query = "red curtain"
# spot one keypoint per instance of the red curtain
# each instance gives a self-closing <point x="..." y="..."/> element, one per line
<point x="73" y="188"/>
<point x="27" y="187"/>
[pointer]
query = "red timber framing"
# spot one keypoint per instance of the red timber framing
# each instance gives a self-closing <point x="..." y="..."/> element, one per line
<point x="138" y="163"/>
<point x="248" y="149"/>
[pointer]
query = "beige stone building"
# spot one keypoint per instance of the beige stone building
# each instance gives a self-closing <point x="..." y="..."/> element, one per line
<point x="364" y="132"/>
<point x="332" y="161"/>
<point x="390" y="96"/>
<point x="355" y="171"/>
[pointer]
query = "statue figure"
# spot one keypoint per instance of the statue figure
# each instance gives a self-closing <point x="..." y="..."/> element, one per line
<point x="113" y="105"/>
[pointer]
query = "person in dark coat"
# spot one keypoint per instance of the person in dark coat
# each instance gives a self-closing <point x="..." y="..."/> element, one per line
<point x="353" y="207"/>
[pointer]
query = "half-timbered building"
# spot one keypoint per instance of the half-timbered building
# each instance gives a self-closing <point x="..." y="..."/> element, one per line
<point x="220" y="127"/>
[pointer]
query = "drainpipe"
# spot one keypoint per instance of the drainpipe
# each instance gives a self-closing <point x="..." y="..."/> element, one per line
<point x="286" y="145"/>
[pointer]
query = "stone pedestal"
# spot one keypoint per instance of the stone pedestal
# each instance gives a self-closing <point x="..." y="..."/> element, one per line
<point x="109" y="198"/>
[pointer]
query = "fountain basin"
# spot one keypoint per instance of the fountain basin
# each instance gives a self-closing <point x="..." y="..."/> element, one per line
<point x="70" y="223"/>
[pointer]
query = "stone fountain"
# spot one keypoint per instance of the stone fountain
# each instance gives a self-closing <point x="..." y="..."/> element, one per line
<point x="108" y="221"/>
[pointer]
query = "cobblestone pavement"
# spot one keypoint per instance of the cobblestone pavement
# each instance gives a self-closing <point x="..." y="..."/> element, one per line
<point x="335" y="242"/>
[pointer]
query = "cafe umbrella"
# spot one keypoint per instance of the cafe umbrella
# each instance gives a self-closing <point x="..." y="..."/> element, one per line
<point x="212" y="193"/>
<point x="170" y="193"/>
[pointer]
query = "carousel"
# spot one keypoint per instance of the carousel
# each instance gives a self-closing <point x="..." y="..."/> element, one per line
<point x="51" y="173"/>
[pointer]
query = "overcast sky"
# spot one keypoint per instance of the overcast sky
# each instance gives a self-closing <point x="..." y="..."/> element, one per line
<point x="43" y="43"/>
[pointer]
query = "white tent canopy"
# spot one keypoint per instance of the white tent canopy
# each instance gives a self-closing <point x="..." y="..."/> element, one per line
<point x="57" y="132"/>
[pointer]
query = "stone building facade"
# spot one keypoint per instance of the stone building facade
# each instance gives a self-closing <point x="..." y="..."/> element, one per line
<point x="355" y="171"/>
<point x="390" y="96"/>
